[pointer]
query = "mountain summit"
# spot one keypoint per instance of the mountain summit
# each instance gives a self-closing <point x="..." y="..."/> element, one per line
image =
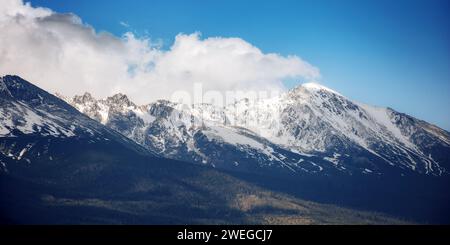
<point x="312" y="86"/>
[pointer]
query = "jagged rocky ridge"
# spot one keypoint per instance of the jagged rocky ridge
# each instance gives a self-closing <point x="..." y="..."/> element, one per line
<point x="310" y="129"/>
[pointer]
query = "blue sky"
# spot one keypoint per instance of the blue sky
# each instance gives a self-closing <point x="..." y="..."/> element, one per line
<point x="386" y="53"/>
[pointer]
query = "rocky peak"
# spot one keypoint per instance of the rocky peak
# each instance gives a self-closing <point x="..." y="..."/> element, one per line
<point x="119" y="100"/>
<point x="83" y="99"/>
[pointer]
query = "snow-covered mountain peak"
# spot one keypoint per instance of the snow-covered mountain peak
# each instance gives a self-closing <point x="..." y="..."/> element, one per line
<point x="313" y="87"/>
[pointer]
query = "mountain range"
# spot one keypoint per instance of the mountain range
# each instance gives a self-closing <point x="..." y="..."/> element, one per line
<point x="309" y="155"/>
<point x="310" y="129"/>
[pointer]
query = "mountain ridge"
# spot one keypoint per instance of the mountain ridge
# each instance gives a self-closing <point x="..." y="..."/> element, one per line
<point x="310" y="123"/>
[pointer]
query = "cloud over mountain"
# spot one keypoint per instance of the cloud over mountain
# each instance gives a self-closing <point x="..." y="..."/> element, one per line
<point x="63" y="54"/>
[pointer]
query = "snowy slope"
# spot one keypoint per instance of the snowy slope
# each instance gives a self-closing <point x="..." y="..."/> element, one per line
<point x="32" y="121"/>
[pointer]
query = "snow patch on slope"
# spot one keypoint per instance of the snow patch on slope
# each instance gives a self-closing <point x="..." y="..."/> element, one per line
<point x="381" y="116"/>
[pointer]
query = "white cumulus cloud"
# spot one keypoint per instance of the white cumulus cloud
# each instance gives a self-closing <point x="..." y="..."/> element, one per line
<point x="60" y="53"/>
